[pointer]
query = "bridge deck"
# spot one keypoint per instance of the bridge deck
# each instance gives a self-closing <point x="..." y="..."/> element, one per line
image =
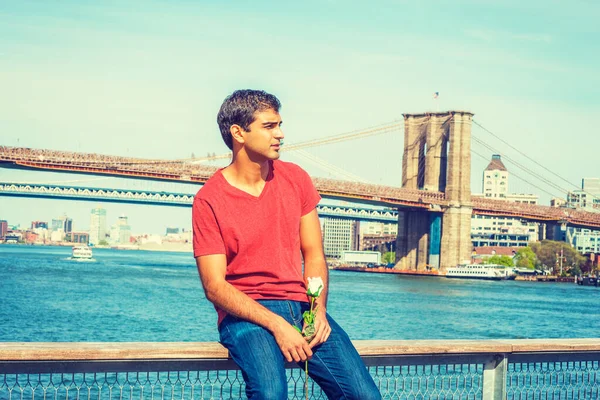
<point x="190" y="172"/>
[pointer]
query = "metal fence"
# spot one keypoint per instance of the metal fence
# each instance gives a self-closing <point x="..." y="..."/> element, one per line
<point x="469" y="376"/>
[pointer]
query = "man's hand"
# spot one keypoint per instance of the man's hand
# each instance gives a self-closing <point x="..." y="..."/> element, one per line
<point x="291" y="343"/>
<point x="322" y="328"/>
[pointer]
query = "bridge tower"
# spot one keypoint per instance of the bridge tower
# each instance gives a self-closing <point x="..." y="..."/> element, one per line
<point x="437" y="157"/>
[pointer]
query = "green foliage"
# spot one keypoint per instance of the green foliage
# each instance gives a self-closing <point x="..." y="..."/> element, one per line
<point x="526" y="258"/>
<point x="389" y="257"/>
<point x="548" y="253"/>
<point x="499" y="260"/>
<point x="103" y="243"/>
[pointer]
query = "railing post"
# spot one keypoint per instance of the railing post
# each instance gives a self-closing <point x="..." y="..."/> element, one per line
<point x="494" y="378"/>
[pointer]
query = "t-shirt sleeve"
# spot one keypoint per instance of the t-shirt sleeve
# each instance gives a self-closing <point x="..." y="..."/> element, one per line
<point x="207" y="235"/>
<point x="310" y="195"/>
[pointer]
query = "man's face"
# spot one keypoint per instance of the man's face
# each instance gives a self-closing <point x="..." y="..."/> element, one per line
<point x="263" y="139"/>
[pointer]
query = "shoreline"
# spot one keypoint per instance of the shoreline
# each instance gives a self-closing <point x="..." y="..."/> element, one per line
<point x="175" y="248"/>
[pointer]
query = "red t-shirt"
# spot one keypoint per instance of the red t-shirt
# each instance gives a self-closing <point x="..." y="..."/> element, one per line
<point x="260" y="236"/>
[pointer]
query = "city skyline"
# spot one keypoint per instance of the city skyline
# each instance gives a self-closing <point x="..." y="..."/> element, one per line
<point x="146" y="81"/>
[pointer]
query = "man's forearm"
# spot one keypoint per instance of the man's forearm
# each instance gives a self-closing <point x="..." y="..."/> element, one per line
<point x="234" y="302"/>
<point x="318" y="268"/>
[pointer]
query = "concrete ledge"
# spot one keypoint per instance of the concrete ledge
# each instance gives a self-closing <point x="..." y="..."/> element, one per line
<point x="58" y="351"/>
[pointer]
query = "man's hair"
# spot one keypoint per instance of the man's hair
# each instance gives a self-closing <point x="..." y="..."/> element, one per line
<point x="239" y="108"/>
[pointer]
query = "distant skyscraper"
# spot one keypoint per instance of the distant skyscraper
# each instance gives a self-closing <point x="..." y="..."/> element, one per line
<point x="68" y="225"/>
<point x="57" y="224"/>
<point x="3" y="229"/>
<point x="120" y="233"/>
<point x="39" y="224"/>
<point x="97" y="225"/>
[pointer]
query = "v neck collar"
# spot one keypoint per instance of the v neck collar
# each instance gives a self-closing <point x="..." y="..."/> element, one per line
<point x="243" y="192"/>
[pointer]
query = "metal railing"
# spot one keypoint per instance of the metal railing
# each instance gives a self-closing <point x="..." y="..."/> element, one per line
<point x="486" y="370"/>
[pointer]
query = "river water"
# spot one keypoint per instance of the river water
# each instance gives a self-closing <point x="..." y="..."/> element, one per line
<point x="156" y="296"/>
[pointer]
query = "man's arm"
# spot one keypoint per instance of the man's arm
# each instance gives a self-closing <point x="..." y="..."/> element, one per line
<point x="212" y="270"/>
<point x="315" y="266"/>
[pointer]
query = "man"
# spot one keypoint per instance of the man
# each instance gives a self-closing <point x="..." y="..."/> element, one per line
<point x="252" y="221"/>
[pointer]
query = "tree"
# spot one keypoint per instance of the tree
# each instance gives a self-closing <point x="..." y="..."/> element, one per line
<point x="500" y="260"/>
<point x="389" y="257"/>
<point x="526" y="258"/>
<point x="549" y="253"/>
<point x="103" y="242"/>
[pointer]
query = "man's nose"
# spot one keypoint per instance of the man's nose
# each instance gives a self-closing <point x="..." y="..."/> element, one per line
<point x="278" y="134"/>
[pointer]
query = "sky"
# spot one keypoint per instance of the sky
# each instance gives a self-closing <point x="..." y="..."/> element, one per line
<point x="146" y="79"/>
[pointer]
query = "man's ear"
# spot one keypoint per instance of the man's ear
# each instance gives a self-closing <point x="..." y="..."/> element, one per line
<point x="237" y="134"/>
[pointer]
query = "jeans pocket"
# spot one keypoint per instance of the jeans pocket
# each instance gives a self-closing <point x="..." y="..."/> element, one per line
<point x="295" y="313"/>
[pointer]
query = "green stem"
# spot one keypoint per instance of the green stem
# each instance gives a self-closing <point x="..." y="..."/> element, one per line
<point x="312" y="302"/>
<point x="306" y="379"/>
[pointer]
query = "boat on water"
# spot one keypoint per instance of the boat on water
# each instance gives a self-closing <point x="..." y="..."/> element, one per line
<point x="588" y="281"/>
<point x="81" y="253"/>
<point x="481" y="271"/>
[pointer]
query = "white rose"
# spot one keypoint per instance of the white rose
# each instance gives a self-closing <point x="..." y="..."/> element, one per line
<point x="315" y="286"/>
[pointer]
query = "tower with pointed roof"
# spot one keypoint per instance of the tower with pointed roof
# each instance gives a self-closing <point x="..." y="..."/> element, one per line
<point x="495" y="179"/>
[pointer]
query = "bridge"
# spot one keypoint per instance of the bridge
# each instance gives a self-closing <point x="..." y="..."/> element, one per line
<point x="434" y="205"/>
<point x="187" y="172"/>
<point x="170" y="199"/>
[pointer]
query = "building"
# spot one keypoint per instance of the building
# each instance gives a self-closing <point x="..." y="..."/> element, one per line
<point x="97" y="226"/>
<point x="43" y="234"/>
<point x="57" y="235"/>
<point x="522" y="198"/>
<point x="79" y="237"/>
<point x="502" y="231"/>
<point x="591" y="185"/>
<point x="63" y="224"/>
<point x="340" y="235"/>
<point x="378" y="242"/>
<point x="3" y="229"/>
<point x="583" y="240"/>
<point x="68" y="225"/>
<point x="378" y="228"/>
<point x="481" y="254"/>
<point x="588" y="198"/>
<point x="39" y="224"/>
<point x="583" y="199"/>
<point x="172" y="231"/>
<point x="557" y="202"/>
<point x="120" y="233"/>
<point x="495" y="179"/>
<point x="487" y="230"/>
<point x="57" y="224"/>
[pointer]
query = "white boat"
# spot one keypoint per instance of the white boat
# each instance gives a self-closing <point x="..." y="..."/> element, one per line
<point x="81" y="253"/>
<point x="480" y="271"/>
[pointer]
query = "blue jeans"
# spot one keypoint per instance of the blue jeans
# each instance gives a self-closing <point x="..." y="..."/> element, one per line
<point x="335" y="365"/>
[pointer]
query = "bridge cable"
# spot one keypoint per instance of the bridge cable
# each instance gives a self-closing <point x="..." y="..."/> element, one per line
<point x="328" y="167"/>
<point x="357" y="134"/>
<point x="529" y="171"/>
<point x="531" y="159"/>
<point x="517" y="176"/>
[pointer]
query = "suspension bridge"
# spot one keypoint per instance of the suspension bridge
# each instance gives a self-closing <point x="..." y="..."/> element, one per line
<point x="433" y="207"/>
